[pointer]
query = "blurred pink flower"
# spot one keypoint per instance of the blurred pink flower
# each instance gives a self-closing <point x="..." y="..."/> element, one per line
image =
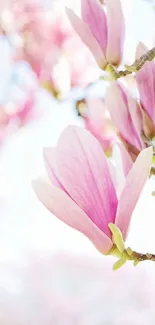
<point x="63" y="61"/>
<point x="98" y="122"/>
<point x="127" y="116"/>
<point x="82" y="66"/>
<point x="24" y="112"/>
<point x="82" y="193"/>
<point x="36" y="34"/>
<point x="75" y="68"/>
<point x="102" y="32"/>
<point x="16" y="113"/>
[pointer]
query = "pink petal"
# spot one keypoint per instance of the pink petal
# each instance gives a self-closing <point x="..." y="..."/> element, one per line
<point x="126" y="159"/>
<point x="116" y="31"/>
<point x="61" y="205"/>
<point x="50" y="162"/>
<point x="95" y="121"/>
<point x="123" y="163"/>
<point x="84" y="172"/>
<point x="133" y="187"/>
<point x="98" y="122"/>
<point x="137" y="119"/>
<point x="87" y="37"/>
<point x="146" y="83"/>
<point x="94" y="16"/>
<point x="112" y="170"/>
<point x="117" y="104"/>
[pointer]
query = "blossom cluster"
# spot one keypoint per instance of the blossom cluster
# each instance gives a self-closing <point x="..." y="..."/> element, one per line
<point x="94" y="200"/>
<point x="65" y="50"/>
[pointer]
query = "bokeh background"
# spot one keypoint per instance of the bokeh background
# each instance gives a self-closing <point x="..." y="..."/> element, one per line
<point x="49" y="273"/>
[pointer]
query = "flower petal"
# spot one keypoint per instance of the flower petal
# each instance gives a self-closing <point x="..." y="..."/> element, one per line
<point x="126" y="159"/>
<point x="116" y="31"/>
<point x="117" y="103"/>
<point x="94" y="16"/>
<point x="95" y="119"/>
<point x="112" y="170"/>
<point x="133" y="187"/>
<point x="137" y="119"/>
<point x="50" y="162"/>
<point x="84" y="172"/>
<point x="145" y="78"/>
<point x="87" y="37"/>
<point x="65" y="209"/>
<point x="123" y="163"/>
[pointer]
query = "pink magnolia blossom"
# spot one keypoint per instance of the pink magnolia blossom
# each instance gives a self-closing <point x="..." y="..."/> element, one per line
<point x="127" y="116"/>
<point x="63" y="61"/>
<point x="17" y="114"/>
<point x="42" y="34"/>
<point x="98" y="122"/>
<point x="38" y="33"/>
<point x="25" y="111"/>
<point x="145" y="78"/>
<point x="75" y="68"/>
<point x="126" y="159"/>
<point x="82" y="193"/>
<point x="82" y="66"/>
<point x="103" y="33"/>
<point x="120" y="166"/>
<point x="19" y="108"/>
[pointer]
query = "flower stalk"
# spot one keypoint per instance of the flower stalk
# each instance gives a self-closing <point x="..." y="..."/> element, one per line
<point x="125" y="254"/>
<point x="129" y="255"/>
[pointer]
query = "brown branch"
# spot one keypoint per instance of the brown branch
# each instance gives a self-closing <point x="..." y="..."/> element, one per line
<point x="135" y="67"/>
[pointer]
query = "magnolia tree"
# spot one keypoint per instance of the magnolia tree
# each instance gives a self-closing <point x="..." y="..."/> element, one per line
<point x="83" y="188"/>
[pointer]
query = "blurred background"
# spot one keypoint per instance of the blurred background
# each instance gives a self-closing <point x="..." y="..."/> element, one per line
<point x="49" y="273"/>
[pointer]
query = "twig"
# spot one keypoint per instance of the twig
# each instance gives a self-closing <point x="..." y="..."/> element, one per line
<point x="135" y="67"/>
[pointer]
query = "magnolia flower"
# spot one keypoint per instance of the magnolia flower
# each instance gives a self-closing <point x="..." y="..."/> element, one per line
<point x="98" y="122"/>
<point x="36" y="34"/>
<point x="82" y="192"/>
<point x="25" y="111"/>
<point x="38" y="29"/>
<point x="75" y="68"/>
<point x="82" y="66"/>
<point x="64" y="61"/>
<point x="145" y="78"/>
<point x="14" y="115"/>
<point x="102" y="33"/>
<point x="127" y="116"/>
